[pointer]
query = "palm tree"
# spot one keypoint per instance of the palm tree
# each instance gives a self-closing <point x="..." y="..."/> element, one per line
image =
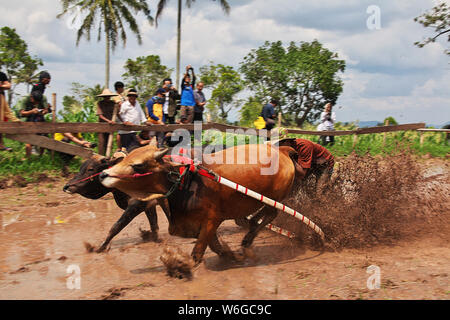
<point x="162" y="4"/>
<point x="111" y="16"/>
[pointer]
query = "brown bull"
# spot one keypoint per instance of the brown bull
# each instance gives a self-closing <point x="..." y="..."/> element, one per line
<point x="197" y="210"/>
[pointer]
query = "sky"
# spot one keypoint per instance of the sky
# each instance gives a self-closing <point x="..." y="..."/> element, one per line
<point x="386" y="75"/>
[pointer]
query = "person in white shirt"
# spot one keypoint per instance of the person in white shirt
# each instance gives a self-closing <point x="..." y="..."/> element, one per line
<point x="327" y="120"/>
<point x="131" y="113"/>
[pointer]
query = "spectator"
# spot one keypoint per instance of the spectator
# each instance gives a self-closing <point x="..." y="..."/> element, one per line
<point x="131" y="113"/>
<point x="200" y="102"/>
<point x="155" y="110"/>
<point x="5" y="112"/>
<point x="70" y="137"/>
<point x="170" y="104"/>
<point x="187" y="96"/>
<point x="44" y="80"/>
<point x="119" y="99"/>
<point x="105" y="109"/>
<point x="269" y="115"/>
<point x="327" y="120"/>
<point x="34" y="107"/>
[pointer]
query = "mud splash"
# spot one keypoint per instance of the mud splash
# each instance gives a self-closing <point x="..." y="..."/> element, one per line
<point x="369" y="201"/>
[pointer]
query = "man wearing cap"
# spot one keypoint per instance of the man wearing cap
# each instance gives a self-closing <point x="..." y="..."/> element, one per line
<point x="34" y="107"/>
<point x="5" y="112"/>
<point x="44" y="80"/>
<point x="131" y="113"/>
<point x="105" y="109"/>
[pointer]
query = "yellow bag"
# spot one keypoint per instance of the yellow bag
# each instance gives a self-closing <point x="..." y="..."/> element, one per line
<point x="260" y="123"/>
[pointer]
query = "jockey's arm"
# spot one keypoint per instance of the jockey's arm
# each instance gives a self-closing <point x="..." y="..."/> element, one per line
<point x="300" y="171"/>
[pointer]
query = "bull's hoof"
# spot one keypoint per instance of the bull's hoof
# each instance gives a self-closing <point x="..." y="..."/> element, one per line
<point x="89" y="247"/>
<point x="239" y="257"/>
<point x="100" y="250"/>
<point x="148" y="236"/>
<point x="248" y="253"/>
<point x="242" y="222"/>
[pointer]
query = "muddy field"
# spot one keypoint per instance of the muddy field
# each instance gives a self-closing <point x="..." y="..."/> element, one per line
<point x="400" y="225"/>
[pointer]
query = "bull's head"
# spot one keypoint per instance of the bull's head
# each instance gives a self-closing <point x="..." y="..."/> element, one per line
<point x="86" y="182"/>
<point x="142" y="174"/>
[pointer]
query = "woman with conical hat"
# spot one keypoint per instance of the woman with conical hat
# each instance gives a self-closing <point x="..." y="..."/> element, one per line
<point x="105" y="109"/>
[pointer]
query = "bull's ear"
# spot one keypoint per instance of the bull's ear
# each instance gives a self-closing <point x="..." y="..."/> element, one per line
<point x="160" y="153"/>
<point x="153" y="142"/>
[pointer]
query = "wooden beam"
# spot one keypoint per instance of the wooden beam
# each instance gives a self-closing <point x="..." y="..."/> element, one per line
<point x="400" y="127"/>
<point x="433" y="130"/>
<point x="323" y="133"/>
<point x="73" y="127"/>
<point x="52" y="144"/>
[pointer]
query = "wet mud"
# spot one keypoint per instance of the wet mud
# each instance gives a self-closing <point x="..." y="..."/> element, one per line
<point x="390" y="213"/>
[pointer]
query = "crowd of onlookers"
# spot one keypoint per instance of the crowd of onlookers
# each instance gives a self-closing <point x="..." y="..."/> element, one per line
<point x="167" y="106"/>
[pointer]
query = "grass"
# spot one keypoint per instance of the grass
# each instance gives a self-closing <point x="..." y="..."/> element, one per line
<point x="434" y="144"/>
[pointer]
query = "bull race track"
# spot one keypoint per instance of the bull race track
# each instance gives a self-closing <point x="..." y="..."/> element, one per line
<point x="392" y="213"/>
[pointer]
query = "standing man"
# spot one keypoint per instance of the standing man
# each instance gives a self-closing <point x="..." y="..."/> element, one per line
<point x="187" y="96"/>
<point x="119" y="99"/>
<point x="171" y="96"/>
<point x="269" y="115"/>
<point x="105" y="109"/>
<point x="131" y="113"/>
<point x="44" y="80"/>
<point x="156" y="115"/>
<point x="327" y="119"/>
<point x="5" y="112"/>
<point x="34" y="107"/>
<point x="200" y="102"/>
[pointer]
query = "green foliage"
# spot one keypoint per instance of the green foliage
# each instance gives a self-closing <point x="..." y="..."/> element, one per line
<point x="112" y="16"/>
<point x="225" y="83"/>
<point x="145" y="74"/>
<point x="17" y="62"/>
<point x="439" y="19"/>
<point x="249" y="112"/>
<point x="81" y="106"/>
<point x="303" y="77"/>
<point x="392" y="121"/>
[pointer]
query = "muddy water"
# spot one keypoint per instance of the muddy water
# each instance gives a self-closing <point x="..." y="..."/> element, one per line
<point x="43" y="231"/>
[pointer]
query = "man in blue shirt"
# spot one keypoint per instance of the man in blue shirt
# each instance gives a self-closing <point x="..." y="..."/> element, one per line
<point x="269" y="115"/>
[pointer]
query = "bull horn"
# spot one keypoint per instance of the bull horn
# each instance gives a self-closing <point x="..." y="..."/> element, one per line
<point x="153" y="142"/>
<point x="97" y="157"/>
<point x="119" y="154"/>
<point x="160" y="153"/>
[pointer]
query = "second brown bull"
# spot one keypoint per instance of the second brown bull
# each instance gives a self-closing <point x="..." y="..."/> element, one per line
<point x="197" y="210"/>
